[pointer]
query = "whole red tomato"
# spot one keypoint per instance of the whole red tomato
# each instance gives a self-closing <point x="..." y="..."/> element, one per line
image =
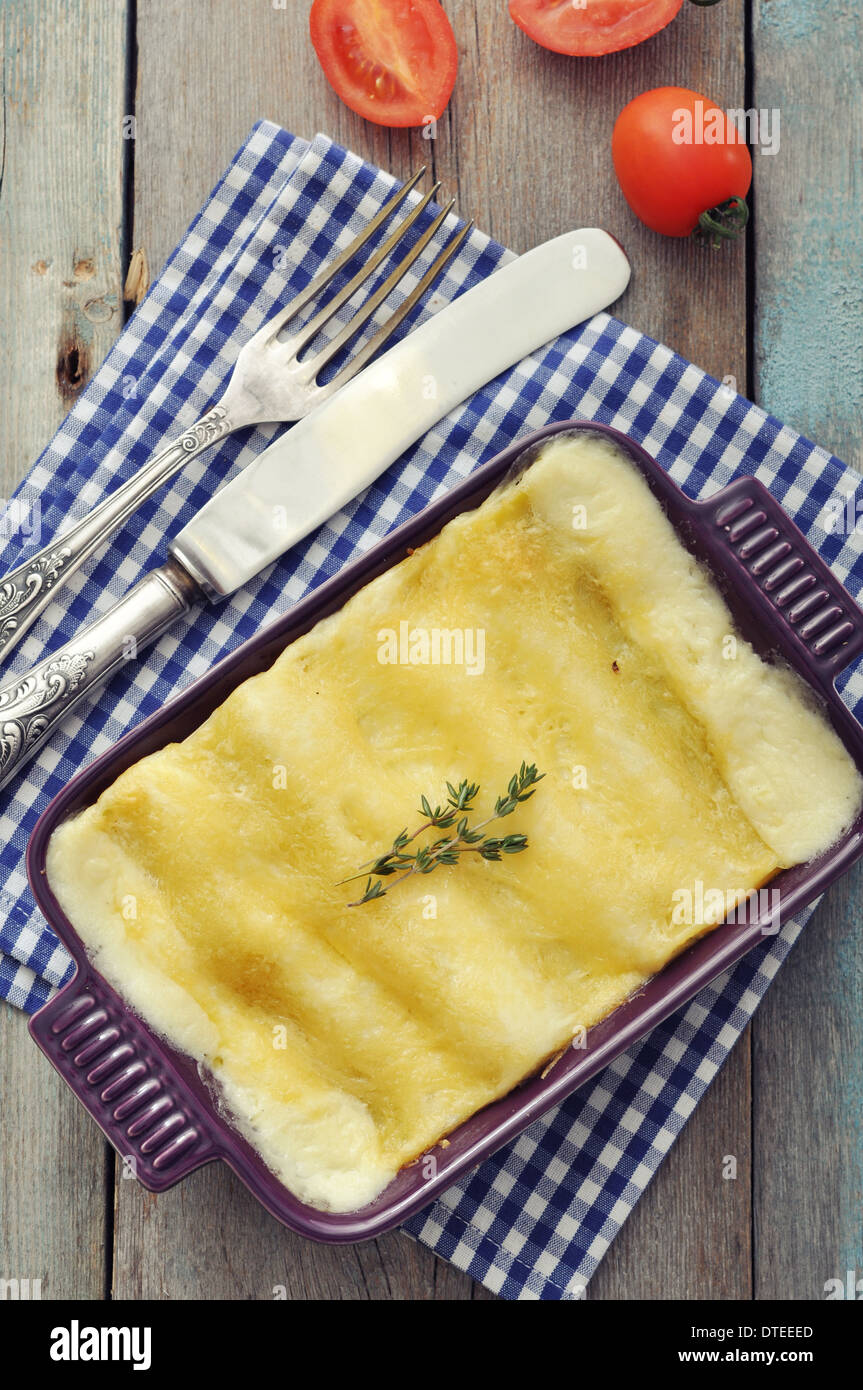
<point x="678" y="157"/>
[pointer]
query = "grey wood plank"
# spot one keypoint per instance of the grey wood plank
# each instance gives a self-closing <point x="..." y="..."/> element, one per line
<point x="525" y="146"/>
<point x="52" y="1175"/>
<point x="60" y="220"/>
<point x="808" y="1099"/>
<point x="808" y="239"/>
<point x="808" y="1073"/>
<point x="61" y="212"/>
<point x="209" y="1238"/>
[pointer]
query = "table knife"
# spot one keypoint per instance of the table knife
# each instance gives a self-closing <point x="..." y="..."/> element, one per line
<point x="319" y="464"/>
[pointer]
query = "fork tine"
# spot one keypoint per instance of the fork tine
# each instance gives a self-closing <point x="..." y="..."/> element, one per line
<point x="386" y="330"/>
<point x="310" y="330"/>
<point x="325" y="275"/>
<point x="363" y="314"/>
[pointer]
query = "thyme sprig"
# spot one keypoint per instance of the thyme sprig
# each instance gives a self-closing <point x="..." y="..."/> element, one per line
<point x="399" y="862"/>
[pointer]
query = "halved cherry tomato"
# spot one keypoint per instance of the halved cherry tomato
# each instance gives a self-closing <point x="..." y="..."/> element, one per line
<point x="392" y="61"/>
<point x="592" y="28"/>
<point x="677" y="157"/>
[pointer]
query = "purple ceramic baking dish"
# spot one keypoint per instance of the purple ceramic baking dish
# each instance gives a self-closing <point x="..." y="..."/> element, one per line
<point x="150" y="1101"/>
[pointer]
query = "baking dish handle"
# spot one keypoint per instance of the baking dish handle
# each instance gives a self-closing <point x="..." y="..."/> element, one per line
<point x="138" y="1099"/>
<point x="759" y="547"/>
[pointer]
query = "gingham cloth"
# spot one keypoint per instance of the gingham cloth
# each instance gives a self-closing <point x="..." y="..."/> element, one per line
<point x="534" y="1221"/>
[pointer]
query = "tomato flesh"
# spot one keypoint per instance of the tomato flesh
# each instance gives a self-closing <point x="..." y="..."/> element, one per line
<point x="394" y="62"/>
<point x="676" y="155"/>
<point x="594" y="28"/>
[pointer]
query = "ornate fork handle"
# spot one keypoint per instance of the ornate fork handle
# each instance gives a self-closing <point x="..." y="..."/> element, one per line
<point x="26" y="591"/>
<point x="33" y="704"/>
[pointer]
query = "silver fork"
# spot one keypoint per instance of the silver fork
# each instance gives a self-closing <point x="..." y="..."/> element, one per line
<point x="269" y="383"/>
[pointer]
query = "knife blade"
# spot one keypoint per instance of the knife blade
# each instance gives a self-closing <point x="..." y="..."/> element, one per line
<point x="321" y="463"/>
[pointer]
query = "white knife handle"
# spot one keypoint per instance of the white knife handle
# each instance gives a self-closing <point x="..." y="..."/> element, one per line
<point x="34" y="703"/>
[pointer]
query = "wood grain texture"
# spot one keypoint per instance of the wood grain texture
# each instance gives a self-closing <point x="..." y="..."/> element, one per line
<point x="808" y="370"/>
<point x="52" y="1175"/>
<point x="61" y="212"/>
<point x="808" y="235"/>
<point x="808" y="1104"/>
<point x="61" y="215"/>
<point x="209" y="1238"/>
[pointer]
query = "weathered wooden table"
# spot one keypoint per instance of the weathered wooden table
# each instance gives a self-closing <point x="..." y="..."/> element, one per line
<point x="525" y="147"/>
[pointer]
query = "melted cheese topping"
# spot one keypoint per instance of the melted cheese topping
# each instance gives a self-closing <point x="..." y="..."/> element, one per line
<point x="346" y="1040"/>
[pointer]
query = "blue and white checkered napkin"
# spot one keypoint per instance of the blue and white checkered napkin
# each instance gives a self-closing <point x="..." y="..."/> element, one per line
<point x="534" y="1221"/>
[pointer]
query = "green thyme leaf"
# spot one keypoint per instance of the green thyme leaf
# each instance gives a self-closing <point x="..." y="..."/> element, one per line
<point x="448" y="850"/>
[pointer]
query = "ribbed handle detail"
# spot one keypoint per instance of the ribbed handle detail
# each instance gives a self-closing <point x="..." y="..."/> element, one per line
<point x="145" y="1109"/>
<point x="817" y="612"/>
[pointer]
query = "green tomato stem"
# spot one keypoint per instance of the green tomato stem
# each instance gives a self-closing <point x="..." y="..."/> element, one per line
<point x="724" y="222"/>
